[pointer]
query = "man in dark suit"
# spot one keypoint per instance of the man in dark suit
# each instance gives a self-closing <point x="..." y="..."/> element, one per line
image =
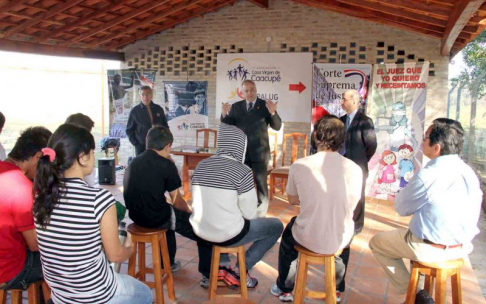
<point x="359" y="146"/>
<point x="253" y="115"/>
<point x="142" y="117"/>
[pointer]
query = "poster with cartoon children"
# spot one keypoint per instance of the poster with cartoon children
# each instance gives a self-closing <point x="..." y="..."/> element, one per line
<point x="397" y="107"/>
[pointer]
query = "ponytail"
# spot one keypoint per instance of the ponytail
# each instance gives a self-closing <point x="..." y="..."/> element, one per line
<point x="46" y="190"/>
<point x="64" y="148"/>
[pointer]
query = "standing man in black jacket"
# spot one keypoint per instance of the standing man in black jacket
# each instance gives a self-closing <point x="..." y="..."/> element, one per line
<point x="253" y="115"/>
<point x="142" y="117"/>
<point x="359" y="146"/>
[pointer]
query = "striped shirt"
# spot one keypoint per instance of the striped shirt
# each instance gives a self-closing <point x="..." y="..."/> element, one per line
<point x="74" y="264"/>
<point x="223" y="192"/>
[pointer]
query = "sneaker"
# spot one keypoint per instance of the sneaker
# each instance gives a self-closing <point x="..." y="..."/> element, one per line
<point x="176" y="266"/>
<point x="233" y="279"/>
<point x="251" y="282"/>
<point x="338" y="296"/>
<point x="204" y="283"/>
<point x="223" y="270"/>
<point x="282" y="296"/>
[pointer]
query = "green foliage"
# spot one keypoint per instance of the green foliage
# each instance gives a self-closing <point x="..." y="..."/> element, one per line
<point x="474" y="56"/>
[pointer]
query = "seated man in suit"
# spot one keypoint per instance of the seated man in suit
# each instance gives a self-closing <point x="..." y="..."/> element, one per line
<point x="224" y="205"/>
<point x="327" y="186"/>
<point x="148" y="177"/>
<point x="444" y="199"/>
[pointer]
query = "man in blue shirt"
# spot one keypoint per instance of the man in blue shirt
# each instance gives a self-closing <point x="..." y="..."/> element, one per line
<point x="444" y="199"/>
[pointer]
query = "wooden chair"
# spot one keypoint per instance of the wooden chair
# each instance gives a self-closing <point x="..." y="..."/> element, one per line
<point x="283" y="172"/>
<point x="307" y="257"/>
<point x="273" y="137"/>
<point x="206" y="137"/>
<point x="157" y="238"/>
<point x="441" y="272"/>
<point x="213" y="276"/>
<point x="32" y="292"/>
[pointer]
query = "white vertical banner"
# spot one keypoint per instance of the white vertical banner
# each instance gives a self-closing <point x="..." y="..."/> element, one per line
<point x="397" y="107"/>
<point x="330" y="81"/>
<point x="285" y="78"/>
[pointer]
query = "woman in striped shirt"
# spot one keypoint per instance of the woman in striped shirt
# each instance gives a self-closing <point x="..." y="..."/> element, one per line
<point x="76" y="226"/>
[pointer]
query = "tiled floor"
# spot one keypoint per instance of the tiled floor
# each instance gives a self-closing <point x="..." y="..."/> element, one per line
<point x="366" y="281"/>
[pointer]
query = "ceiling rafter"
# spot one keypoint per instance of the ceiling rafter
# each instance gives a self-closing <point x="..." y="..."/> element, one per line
<point x="332" y="5"/>
<point x="149" y="6"/>
<point x="154" y="18"/>
<point x="12" y="5"/>
<point x="40" y="17"/>
<point x="464" y="9"/>
<point x="144" y="34"/>
<point x="76" y="24"/>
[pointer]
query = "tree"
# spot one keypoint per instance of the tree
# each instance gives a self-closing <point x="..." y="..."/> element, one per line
<point x="474" y="78"/>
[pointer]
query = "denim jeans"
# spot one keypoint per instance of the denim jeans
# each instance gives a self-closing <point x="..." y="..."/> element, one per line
<point x="32" y="272"/>
<point x="264" y="233"/>
<point x="130" y="290"/>
<point x="184" y="228"/>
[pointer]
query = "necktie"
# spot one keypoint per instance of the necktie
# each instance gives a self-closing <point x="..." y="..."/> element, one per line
<point x="150" y="115"/>
<point x="250" y="106"/>
<point x="348" y="122"/>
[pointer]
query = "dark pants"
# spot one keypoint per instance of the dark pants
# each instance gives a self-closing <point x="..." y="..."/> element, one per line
<point x="358" y="218"/>
<point x="32" y="272"/>
<point x="287" y="261"/>
<point x="260" y="176"/>
<point x="359" y="211"/>
<point x="139" y="149"/>
<point x="184" y="228"/>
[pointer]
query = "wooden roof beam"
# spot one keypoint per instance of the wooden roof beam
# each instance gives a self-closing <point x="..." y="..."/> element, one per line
<point x="162" y="27"/>
<point x="147" y="7"/>
<point x="82" y="20"/>
<point x="11" y="6"/>
<point x="260" y="3"/>
<point x="26" y="47"/>
<point x="412" y="27"/>
<point x="463" y="11"/>
<point x="155" y="17"/>
<point x="40" y="17"/>
<point x="411" y="15"/>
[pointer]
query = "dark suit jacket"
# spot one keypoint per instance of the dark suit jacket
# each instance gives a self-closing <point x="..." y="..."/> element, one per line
<point x="139" y="122"/>
<point x="360" y="140"/>
<point x="255" y="125"/>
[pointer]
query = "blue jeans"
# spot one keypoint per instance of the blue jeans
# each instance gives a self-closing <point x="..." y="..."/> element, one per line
<point x="30" y="273"/>
<point x="130" y="290"/>
<point x="264" y="233"/>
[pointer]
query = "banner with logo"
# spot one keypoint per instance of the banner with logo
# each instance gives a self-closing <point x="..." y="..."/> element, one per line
<point x="281" y="77"/>
<point x="123" y="87"/>
<point x="186" y="106"/>
<point x="397" y="107"/>
<point x="331" y="81"/>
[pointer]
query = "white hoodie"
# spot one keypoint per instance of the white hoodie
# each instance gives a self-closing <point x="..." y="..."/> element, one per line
<point x="223" y="190"/>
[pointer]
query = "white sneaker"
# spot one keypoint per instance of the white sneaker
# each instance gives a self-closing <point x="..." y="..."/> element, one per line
<point x="176" y="267"/>
<point x="282" y="296"/>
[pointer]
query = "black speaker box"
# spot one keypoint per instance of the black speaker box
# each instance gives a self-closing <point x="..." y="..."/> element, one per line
<point x="106" y="171"/>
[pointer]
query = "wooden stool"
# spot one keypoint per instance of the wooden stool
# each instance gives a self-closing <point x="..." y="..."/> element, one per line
<point x="229" y="301"/>
<point x="439" y="271"/>
<point x="157" y="238"/>
<point x="308" y="257"/>
<point x="213" y="276"/>
<point x="32" y="291"/>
